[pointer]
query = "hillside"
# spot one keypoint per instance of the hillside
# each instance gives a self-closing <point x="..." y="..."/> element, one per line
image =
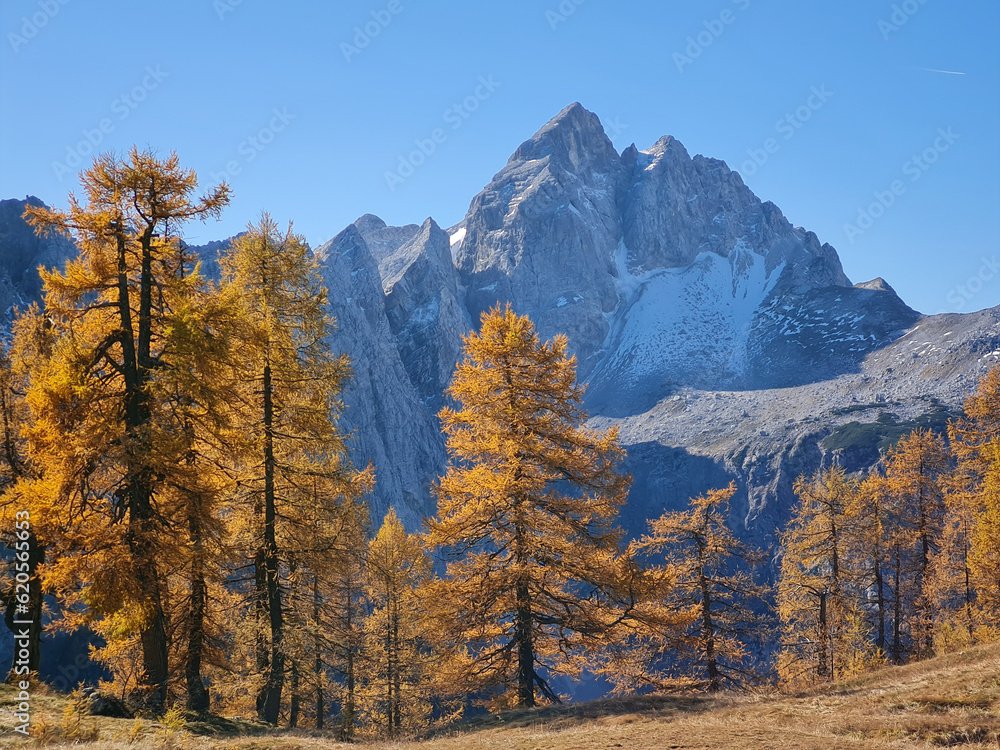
<point x="951" y="701"/>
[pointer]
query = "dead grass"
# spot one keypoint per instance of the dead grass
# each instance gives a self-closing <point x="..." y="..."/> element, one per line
<point x="952" y="701"/>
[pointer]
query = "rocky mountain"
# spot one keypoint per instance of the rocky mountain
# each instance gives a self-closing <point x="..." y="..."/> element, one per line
<point x="725" y="342"/>
<point x="22" y="252"/>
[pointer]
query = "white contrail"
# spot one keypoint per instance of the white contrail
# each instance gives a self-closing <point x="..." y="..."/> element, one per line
<point x="948" y="72"/>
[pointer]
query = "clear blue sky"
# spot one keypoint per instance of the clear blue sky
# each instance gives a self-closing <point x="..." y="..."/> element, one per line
<point x="212" y="74"/>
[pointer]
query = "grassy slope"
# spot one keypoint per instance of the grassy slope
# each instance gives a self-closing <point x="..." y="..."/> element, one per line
<point x="950" y="701"/>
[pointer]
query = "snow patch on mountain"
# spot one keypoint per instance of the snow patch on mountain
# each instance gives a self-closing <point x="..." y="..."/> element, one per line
<point x="677" y="322"/>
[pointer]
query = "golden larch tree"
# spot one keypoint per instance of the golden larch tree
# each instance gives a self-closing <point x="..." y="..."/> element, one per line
<point x="974" y="443"/>
<point x="713" y="586"/>
<point x="823" y="634"/>
<point x="526" y="511"/>
<point x="396" y="658"/>
<point x="24" y="513"/>
<point x="289" y="381"/>
<point x="95" y="412"/>
<point x="914" y="471"/>
<point x="866" y="527"/>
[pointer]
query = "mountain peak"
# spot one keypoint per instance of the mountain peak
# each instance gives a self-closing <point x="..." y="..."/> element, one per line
<point x="667" y="145"/>
<point x="878" y="284"/>
<point x="574" y="138"/>
<point x="369" y="223"/>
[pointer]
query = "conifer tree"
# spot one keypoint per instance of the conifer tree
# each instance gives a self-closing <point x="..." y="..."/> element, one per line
<point x="974" y="439"/>
<point x="20" y="515"/>
<point x="820" y="626"/>
<point x="865" y="527"/>
<point x="198" y="386"/>
<point x="526" y="512"/>
<point x="713" y="586"/>
<point x="396" y="658"/>
<point x="341" y="622"/>
<point x="984" y="552"/>
<point x="915" y="469"/>
<point x="290" y="383"/>
<point x="95" y="410"/>
<point x="331" y="552"/>
<point x="949" y="586"/>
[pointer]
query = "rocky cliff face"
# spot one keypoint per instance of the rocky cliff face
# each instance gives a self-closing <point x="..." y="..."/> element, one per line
<point x="22" y="252"/>
<point x="726" y="343"/>
<point x="390" y="425"/>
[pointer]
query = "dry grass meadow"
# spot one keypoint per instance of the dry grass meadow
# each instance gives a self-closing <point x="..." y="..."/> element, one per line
<point x="951" y="701"/>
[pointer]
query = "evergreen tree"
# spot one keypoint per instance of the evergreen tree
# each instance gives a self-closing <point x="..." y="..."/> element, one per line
<point x="526" y="512"/>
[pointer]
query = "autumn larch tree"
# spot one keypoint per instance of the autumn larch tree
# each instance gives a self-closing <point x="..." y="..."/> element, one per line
<point x="712" y="583"/>
<point x="330" y="549"/>
<point x="108" y="309"/>
<point x="820" y="626"/>
<point x="526" y="510"/>
<point x="914" y="470"/>
<point x="867" y="528"/>
<point x="290" y="382"/>
<point x="975" y="444"/>
<point x="984" y="553"/>
<point x="198" y="386"/>
<point x="20" y="510"/>
<point x="395" y="654"/>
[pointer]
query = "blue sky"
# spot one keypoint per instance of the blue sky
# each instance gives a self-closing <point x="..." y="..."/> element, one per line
<point x="850" y="116"/>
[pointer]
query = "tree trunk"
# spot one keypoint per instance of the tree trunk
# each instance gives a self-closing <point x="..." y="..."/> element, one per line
<point x="707" y="626"/>
<point x="269" y="702"/>
<point x="397" y="719"/>
<point x="968" y="590"/>
<point x="197" y="694"/>
<point x="350" y="705"/>
<point x="897" y="646"/>
<point x="880" y="587"/>
<point x="525" y="646"/>
<point x="822" y="661"/>
<point x="318" y="656"/>
<point x="137" y="489"/>
<point x="32" y="615"/>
